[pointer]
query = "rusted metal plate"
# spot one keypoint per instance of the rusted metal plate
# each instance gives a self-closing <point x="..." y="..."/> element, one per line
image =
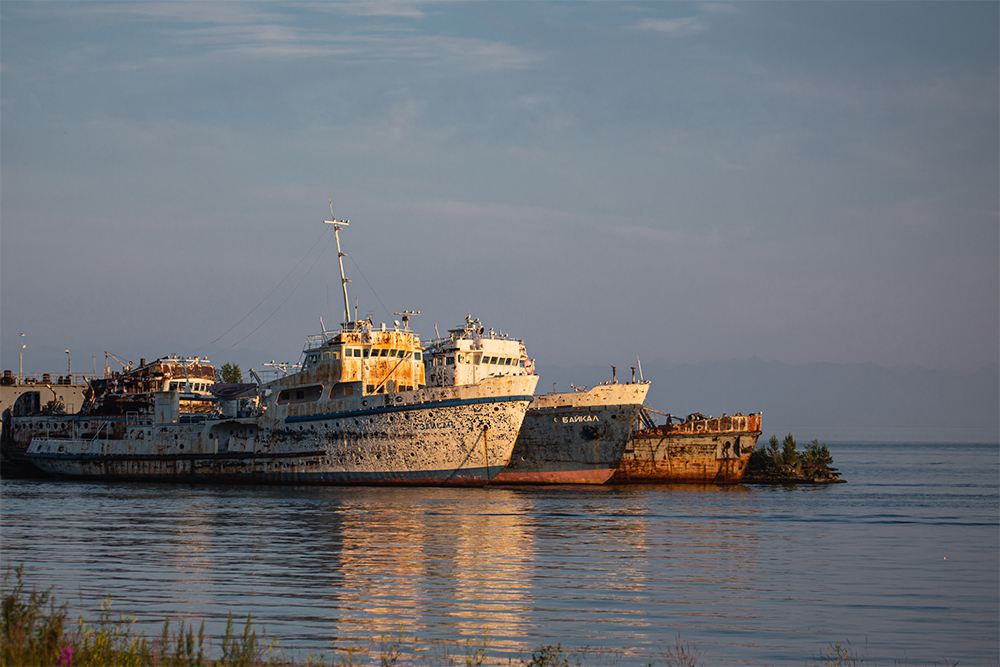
<point x="704" y="451"/>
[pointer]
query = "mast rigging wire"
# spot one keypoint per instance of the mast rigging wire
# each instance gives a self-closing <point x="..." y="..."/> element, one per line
<point x="261" y="302"/>
<point x="283" y="302"/>
<point x="387" y="313"/>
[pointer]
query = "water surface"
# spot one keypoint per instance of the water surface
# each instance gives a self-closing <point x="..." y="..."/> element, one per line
<point x="902" y="561"/>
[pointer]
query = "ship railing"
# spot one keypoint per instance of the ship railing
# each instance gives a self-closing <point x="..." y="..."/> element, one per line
<point x="55" y="378"/>
<point x="317" y="340"/>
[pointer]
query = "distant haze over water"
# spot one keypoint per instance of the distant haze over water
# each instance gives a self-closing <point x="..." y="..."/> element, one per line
<point x="829" y="402"/>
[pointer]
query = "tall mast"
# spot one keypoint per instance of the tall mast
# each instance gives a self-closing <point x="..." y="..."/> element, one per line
<point x="340" y="257"/>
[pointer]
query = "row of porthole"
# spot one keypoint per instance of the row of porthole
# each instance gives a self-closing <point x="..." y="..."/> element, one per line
<point x="399" y="399"/>
<point x="82" y="425"/>
<point x="371" y="420"/>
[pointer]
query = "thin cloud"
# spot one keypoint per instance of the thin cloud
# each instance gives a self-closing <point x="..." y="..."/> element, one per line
<point x="672" y="27"/>
<point x="404" y="10"/>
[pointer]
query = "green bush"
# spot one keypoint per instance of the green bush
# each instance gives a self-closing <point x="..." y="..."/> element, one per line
<point x="782" y="458"/>
<point x="788" y="454"/>
<point x="818" y="454"/>
<point x="774" y="450"/>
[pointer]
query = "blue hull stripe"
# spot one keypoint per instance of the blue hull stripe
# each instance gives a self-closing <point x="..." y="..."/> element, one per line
<point x="451" y="403"/>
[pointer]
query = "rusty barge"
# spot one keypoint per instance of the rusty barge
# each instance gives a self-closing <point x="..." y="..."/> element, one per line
<point x="566" y="438"/>
<point x="357" y="412"/>
<point x="699" y="450"/>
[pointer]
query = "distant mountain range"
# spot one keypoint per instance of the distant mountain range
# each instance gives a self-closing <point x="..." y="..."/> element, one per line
<point x="831" y="402"/>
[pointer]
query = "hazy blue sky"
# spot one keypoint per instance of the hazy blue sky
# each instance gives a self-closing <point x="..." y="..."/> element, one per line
<point x="798" y="181"/>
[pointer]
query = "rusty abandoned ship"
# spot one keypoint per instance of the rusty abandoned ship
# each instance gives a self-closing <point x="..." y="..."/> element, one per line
<point x="566" y="438"/>
<point x="357" y="412"/>
<point x="697" y="449"/>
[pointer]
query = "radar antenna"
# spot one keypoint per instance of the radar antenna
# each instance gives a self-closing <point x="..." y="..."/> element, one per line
<point x="406" y="315"/>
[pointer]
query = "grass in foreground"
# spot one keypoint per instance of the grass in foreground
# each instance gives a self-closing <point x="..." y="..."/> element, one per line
<point x="34" y="631"/>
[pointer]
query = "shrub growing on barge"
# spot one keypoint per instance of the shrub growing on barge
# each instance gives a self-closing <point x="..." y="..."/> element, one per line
<point x="782" y="462"/>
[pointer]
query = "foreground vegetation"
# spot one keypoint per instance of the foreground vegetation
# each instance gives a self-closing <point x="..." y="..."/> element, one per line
<point x="34" y="631"/>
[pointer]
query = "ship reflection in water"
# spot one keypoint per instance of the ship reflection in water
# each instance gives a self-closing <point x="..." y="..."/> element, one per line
<point x="749" y="575"/>
<point x="332" y="568"/>
<point x="469" y="571"/>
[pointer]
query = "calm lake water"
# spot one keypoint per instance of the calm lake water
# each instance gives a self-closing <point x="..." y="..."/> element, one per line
<point x="902" y="561"/>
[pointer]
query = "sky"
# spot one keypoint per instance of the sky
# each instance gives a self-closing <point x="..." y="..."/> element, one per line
<point x="800" y="182"/>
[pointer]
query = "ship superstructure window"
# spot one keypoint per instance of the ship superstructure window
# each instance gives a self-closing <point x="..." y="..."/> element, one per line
<point x="417" y="356"/>
<point x="342" y="390"/>
<point x="449" y="361"/>
<point x="300" y="394"/>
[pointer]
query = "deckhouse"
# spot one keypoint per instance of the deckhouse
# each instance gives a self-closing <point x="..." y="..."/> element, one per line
<point x="469" y="354"/>
<point x="359" y="360"/>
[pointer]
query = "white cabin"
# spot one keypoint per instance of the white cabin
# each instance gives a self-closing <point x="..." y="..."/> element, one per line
<point x="470" y="354"/>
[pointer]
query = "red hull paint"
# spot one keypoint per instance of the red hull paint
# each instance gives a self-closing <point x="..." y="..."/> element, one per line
<point x="591" y="476"/>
